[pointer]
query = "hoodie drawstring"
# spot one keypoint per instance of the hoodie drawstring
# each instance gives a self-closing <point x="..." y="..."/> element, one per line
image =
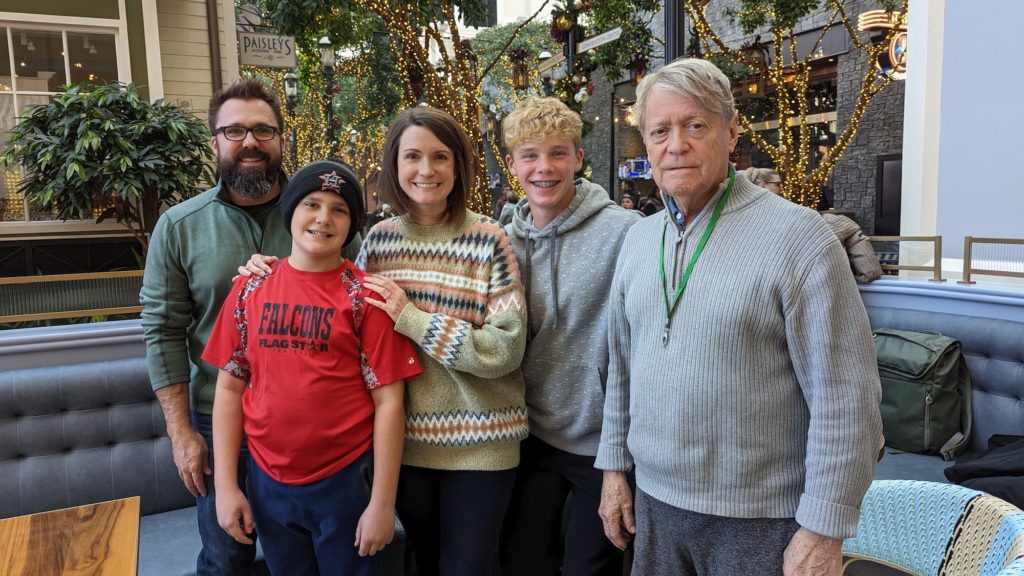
<point x="556" y="247"/>
<point x="526" y="269"/>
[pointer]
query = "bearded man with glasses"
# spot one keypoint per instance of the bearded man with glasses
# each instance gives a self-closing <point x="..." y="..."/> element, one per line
<point x="192" y="256"/>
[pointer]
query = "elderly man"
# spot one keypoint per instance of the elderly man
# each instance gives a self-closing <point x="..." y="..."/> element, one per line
<point x="746" y="393"/>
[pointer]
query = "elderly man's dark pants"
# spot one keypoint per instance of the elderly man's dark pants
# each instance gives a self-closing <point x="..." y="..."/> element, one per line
<point x="675" y="542"/>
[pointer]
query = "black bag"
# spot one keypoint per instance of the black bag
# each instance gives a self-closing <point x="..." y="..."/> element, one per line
<point x="926" y="392"/>
<point x="999" y="471"/>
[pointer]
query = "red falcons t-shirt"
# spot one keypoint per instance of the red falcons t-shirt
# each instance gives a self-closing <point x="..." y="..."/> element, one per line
<point x="292" y="337"/>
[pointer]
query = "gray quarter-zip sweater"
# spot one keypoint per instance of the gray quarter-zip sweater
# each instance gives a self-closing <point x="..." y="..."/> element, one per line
<point x="567" y="269"/>
<point x="763" y="403"/>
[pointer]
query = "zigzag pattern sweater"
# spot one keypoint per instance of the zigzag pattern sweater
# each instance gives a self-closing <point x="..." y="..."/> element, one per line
<point x="466" y="313"/>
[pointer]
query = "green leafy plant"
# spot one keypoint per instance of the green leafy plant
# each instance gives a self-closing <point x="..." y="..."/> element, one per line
<point x="634" y="48"/>
<point x="108" y="152"/>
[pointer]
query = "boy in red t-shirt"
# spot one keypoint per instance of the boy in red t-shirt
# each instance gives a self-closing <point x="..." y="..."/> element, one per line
<point x="315" y="376"/>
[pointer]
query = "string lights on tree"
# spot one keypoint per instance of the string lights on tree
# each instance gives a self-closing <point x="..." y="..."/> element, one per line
<point x="437" y="68"/>
<point x="781" y="71"/>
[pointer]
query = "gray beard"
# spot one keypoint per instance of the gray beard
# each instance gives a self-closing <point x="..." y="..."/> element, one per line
<point x="250" y="183"/>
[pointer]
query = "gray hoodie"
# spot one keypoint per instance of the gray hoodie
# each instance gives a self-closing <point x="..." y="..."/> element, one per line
<point x="567" y="268"/>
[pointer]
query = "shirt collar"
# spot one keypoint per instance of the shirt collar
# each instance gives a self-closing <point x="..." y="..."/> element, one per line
<point x="678" y="217"/>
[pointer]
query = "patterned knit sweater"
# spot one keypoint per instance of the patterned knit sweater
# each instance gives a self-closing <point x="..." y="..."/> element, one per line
<point x="466" y="314"/>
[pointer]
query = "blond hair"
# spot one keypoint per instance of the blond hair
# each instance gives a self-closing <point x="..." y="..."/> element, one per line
<point x="538" y="118"/>
<point x="697" y="79"/>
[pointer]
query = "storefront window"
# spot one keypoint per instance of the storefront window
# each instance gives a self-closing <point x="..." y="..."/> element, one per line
<point x="93" y="58"/>
<point x="38" y="60"/>
<point x="37" y="66"/>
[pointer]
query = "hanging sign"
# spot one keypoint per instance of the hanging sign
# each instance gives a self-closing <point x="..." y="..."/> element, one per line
<point x="266" y="50"/>
<point x="602" y="38"/>
<point x="550" y="62"/>
<point x="894" y="61"/>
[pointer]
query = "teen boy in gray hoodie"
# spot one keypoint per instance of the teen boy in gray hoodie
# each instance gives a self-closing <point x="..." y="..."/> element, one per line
<point x="566" y="234"/>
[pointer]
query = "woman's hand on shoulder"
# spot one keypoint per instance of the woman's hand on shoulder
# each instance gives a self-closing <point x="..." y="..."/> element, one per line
<point x="394" y="297"/>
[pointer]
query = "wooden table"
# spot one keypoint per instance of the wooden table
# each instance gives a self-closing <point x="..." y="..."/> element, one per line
<point x="100" y="539"/>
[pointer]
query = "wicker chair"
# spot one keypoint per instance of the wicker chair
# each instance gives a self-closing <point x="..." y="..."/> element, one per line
<point x="932" y="529"/>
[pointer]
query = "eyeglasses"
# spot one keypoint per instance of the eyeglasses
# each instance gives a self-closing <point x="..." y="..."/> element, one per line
<point x="238" y="133"/>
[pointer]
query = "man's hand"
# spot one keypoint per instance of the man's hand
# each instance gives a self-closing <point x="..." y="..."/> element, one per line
<point x="259" y="265"/>
<point x="234" y="515"/>
<point x="810" y="554"/>
<point x="616" y="510"/>
<point x="375" y="530"/>
<point x="190" y="450"/>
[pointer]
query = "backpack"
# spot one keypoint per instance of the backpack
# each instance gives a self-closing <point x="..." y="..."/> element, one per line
<point x="926" y="392"/>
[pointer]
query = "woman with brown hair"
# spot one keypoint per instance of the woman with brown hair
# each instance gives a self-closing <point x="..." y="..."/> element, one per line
<point x="449" y="279"/>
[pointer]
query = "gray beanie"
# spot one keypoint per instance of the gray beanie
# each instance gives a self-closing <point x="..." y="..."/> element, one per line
<point x="324" y="176"/>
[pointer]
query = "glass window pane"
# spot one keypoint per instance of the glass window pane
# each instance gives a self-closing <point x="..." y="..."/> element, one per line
<point x="37" y="213"/>
<point x="5" y="63"/>
<point x="93" y="58"/>
<point x="12" y="204"/>
<point x="38" y="60"/>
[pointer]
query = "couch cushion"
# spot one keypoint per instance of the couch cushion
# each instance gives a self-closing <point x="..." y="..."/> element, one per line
<point x="84" y="433"/>
<point x="897" y="465"/>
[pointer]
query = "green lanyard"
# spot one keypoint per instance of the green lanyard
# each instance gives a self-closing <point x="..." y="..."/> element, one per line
<point x="671" y="309"/>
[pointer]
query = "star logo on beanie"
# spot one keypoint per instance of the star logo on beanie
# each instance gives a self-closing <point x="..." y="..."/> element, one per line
<point x="332" y="182"/>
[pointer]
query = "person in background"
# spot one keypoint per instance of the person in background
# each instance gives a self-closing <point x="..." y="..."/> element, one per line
<point x="507" y="195"/>
<point x="861" y="253"/>
<point x="565" y="238"/>
<point x="629" y="200"/>
<point x="753" y="435"/>
<point x="319" y="391"/>
<point x="383" y="212"/>
<point x="765" y="178"/>
<point x="651" y="203"/>
<point x="508" y="210"/>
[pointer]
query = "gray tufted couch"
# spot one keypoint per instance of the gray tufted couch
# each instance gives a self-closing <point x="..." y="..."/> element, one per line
<point x="75" y="431"/>
<point x="994" y="350"/>
<point x="88" y="432"/>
